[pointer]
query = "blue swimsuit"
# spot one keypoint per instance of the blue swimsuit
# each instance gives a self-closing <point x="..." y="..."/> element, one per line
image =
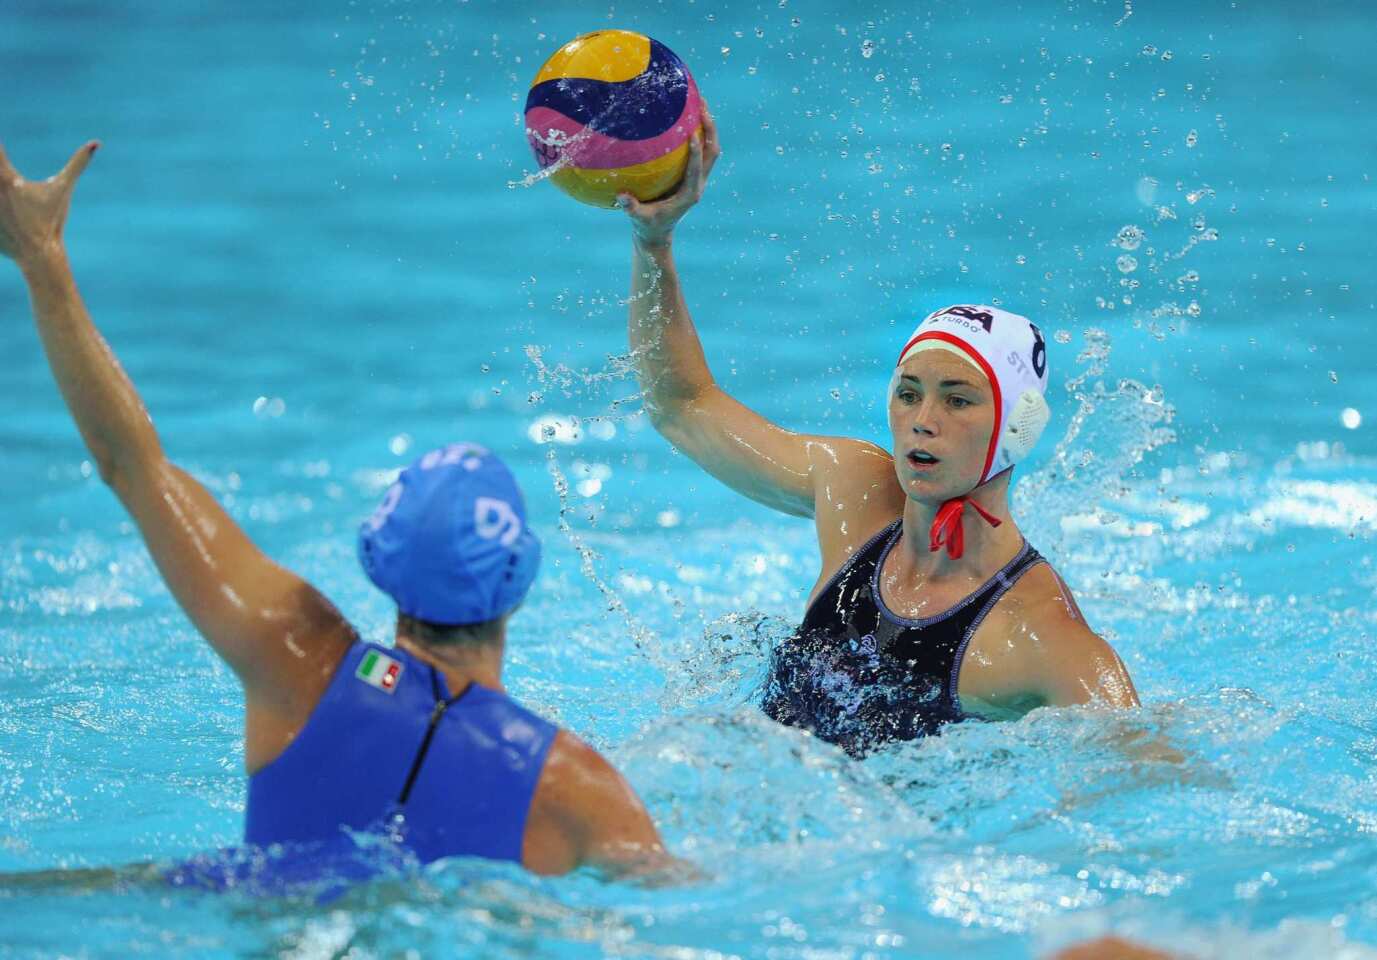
<point x="385" y="739"/>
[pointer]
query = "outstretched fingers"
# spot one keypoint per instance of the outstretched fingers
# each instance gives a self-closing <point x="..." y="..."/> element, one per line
<point x="709" y="130"/>
<point x="693" y="174"/>
<point x="712" y="146"/>
<point x="77" y="164"/>
<point x="7" y="172"/>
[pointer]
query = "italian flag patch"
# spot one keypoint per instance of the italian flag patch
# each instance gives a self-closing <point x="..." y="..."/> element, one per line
<point x="379" y="670"/>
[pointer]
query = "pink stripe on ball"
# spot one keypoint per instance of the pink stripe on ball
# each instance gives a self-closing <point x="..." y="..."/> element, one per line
<point x="596" y="151"/>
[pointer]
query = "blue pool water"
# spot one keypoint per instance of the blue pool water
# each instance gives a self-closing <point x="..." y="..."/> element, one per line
<point x="308" y="239"/>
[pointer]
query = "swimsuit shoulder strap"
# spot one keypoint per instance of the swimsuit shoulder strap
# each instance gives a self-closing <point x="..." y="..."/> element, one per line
<point x="993" y="591"/>
<point x="868" y="554"/>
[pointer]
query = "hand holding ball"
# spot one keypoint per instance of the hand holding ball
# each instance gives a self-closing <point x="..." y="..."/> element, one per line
<point x="613" y="112"/>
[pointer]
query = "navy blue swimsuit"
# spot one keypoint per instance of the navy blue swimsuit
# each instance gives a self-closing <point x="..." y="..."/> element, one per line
<point x="859" y="676"/>
<point x="387" y="739"/>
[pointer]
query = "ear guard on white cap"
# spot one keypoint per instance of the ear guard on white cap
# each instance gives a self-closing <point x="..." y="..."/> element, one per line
<point x="1009" y="350"/>
<point x="1027" y="420"/>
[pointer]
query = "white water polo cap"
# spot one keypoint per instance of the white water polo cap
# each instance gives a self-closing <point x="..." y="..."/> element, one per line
<point x="1009" y="350"/>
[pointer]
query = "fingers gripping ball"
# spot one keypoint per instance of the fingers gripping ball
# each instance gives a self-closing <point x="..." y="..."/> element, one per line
<point x="613" y="111"/>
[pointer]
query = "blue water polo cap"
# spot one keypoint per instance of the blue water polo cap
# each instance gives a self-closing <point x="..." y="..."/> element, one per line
<point x="449" y="542"/>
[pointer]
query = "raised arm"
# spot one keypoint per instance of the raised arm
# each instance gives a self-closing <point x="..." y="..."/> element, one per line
<point x="753" y="456"/>
<point x="281" y="637"/>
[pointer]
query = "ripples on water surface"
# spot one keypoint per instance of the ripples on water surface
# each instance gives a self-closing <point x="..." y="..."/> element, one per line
<point x="302" y="242"/>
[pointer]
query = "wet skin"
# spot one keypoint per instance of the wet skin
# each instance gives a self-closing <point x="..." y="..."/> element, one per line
<point x="282" y="637"/>
<point x="1035" y="647"/>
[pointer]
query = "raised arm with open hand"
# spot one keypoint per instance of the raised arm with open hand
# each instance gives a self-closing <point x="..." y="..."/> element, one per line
<point x="779" y="468"/>
<point x="282" y="637"/>
<point x="32" y="215"/>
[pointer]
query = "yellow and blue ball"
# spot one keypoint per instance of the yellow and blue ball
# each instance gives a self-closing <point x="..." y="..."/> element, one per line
<point x="612" y="112"/>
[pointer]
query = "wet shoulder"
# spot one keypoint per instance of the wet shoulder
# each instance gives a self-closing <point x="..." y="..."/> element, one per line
<point x="1039" y="602"/>
<point x="572" y="781"/>
<point x="1034" y="627"/>
<point x="857" y="497"/>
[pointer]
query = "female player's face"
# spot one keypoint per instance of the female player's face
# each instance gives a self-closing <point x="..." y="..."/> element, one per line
<point x="941" y="415"/>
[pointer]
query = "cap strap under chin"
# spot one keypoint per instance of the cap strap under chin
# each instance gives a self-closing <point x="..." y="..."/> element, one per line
<point x="946" y="526"/>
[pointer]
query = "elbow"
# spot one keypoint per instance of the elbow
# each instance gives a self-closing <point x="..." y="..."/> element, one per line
<point x="107" y="465"/>
<point x="662" y="416"/>
<point x="675" y="424"/>
<point x="122" y="474"/>
<point x="109" y="473"/>
<point x="670" y="412"/>
<point x="666" y="413"/>
<point x="115" y="476"/>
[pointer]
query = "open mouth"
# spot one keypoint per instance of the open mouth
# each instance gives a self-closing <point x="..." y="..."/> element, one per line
<point x="921" y="459"/>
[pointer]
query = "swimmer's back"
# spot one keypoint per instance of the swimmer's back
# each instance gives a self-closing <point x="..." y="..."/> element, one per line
<point x="474" y="774"/>
<point x="352" y="764"/>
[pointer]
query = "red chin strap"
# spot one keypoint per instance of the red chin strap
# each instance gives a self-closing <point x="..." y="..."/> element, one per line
<point x="946" y="526"/>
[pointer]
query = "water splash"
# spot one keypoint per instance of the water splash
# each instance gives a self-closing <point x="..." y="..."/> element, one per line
<point x="1113" y="428"/>
<point x="643" y="637"/>
<point x="725" y="668"/>
<point x="567" y="379"/>
<point x="557" y="142"/>
<point x="562" y="146"/>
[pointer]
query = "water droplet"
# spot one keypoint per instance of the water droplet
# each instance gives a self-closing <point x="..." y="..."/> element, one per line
<point x="1126" y="264"/>
<point x="1062" y="336"/>
<point x="867" y="48"/>
<point x="484" y="368"/>
<point x="1167" y="55"/>
<point x="1020" y="259"/>
<point x="1130" y="237"/>
<point x="1149" y="51"/>
<point x="1351" y="418"/>
<point x="1192" y="139"/>
<point x="1333" y="377"/>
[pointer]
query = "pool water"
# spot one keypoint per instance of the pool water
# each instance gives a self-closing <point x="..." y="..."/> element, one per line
<point x="310" y="240"/>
